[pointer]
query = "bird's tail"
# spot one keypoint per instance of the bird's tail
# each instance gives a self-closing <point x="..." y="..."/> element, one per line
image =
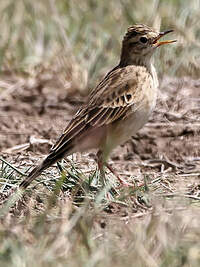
<point x="54" y="156"/>
<point x="46" y="163"/>
<point x="13" y="197"/>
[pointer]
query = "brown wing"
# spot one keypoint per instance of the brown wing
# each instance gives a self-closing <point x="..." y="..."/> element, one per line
<point x="114" y="98"/>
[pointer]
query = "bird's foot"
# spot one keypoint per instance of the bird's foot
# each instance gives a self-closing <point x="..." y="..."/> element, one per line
<point x="126" y="184"/>
<point x="121" y="181"/>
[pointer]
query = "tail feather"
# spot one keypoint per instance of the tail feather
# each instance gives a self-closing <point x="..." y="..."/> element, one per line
<point x="35" y="173"/>
<point x="31" y="176"/>
<point x="46" y="163"/>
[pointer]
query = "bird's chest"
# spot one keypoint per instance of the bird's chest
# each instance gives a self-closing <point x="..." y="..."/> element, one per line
<point x="136" y="120"/>
<point x="139" y="114"/>
<point x="143" y="110"/>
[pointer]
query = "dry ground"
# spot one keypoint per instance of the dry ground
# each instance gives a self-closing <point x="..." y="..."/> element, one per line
<point x="33" y="116"/>
<point x="51" y="53"/>
<point x="156" y="225"/>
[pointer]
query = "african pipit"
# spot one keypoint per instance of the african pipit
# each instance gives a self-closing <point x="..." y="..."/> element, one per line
<point x="117" y="108"/>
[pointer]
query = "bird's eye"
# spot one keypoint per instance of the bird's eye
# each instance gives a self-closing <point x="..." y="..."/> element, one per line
<point x="143" y="40"/>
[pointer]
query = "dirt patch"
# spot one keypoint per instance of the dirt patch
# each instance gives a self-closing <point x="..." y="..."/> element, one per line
<point x="170" y="140"/>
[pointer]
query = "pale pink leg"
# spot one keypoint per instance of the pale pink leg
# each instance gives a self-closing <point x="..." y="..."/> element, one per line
<point x="122" y="182"/>
<point x="101" y="165"/>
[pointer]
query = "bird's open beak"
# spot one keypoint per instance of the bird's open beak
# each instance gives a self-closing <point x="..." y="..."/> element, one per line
<point x="156" y="42"/>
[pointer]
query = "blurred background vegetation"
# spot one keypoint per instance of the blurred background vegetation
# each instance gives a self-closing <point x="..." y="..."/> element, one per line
<point x="69" y="45"/>
<point x="78" y="41"/>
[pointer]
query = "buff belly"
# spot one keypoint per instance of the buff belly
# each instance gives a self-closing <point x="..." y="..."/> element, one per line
<point x="121" y="131"/>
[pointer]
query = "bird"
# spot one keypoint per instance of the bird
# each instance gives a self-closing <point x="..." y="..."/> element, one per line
<point x="116" y="108"/>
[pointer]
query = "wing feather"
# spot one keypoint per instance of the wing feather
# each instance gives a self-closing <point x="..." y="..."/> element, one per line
<point x="114" y="98"/>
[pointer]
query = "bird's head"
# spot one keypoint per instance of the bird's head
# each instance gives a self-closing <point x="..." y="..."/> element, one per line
<point x="140" y="42"/>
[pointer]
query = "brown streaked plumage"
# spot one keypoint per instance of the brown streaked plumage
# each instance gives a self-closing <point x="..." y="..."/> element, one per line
<point x="117" y="108"/>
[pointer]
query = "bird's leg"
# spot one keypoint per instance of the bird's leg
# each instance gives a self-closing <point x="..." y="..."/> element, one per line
<point x="122" y="182"/>
<point x="101" y="164"/>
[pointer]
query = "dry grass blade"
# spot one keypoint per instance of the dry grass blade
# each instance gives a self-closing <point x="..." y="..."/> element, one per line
<point x="51" y="54"/>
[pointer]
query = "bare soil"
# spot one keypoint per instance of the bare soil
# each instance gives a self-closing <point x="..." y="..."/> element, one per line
<point x="33" y="116"/>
